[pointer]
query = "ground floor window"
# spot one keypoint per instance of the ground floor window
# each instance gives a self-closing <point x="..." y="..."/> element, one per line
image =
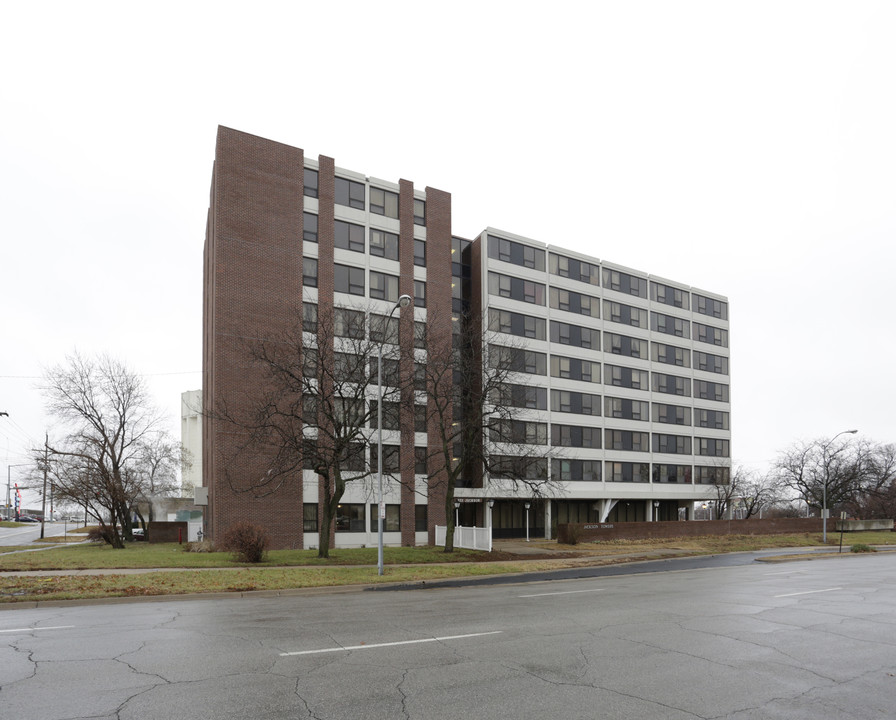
<point x="392" y="521"/>
<point x="350" y="518"/>
<point x="309" y="517"/>
<point x="421" y="518"/>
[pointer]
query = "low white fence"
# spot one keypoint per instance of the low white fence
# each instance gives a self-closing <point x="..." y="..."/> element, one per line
<point x="472" y="538"/>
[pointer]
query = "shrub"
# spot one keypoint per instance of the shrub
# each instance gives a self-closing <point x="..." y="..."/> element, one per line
<point x="861" y="547"/>
<point x="247" y="542"/>
<point x="203" y="546"/>
<point x="99" y="534"/>
<point x="573" y="534"/>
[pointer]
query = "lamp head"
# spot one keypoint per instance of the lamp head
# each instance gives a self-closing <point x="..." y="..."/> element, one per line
<point x="405" y="300"/>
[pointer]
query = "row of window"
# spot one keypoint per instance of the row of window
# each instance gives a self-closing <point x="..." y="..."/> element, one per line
<point x="524" y="255"/>
<point x="349" y="236"/>
<point x="590" y="470"/>
<point x="589" y="338"/>
<point x="350" y="518"/>
<point x="583" y="436"/>
<point x="351" y="193"/>
<point x="351" y="280"/>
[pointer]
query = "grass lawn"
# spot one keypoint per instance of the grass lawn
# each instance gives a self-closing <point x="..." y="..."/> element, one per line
<point x="283" y="569"/>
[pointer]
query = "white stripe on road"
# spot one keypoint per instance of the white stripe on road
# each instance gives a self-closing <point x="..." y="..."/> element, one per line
<point x="808" y="592"/>
<point x="390" y="644"/>
<point x="567" y="592"/>
<point x="52" y="627"/>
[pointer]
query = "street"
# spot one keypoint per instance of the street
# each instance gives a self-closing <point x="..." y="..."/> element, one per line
<point x="791" y="640"/>
<point x="27" y="533"/>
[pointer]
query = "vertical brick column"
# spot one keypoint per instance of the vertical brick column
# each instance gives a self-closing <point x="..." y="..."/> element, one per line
<point x="253" y="286"/>
<point x="406" y="360"/>
<point x="438" y="289"/>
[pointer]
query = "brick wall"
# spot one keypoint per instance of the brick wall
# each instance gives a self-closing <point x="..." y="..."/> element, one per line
<point x="590" y="532"/>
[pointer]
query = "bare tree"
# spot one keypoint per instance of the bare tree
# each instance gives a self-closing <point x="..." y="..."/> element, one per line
<point x="476" y="400"/>
<point x="161" y="462"/>
<point x="756" y="492"/>
<point x="109" y="420"/>
<point x="835" y="472"/>
<point x="314" y="409"/>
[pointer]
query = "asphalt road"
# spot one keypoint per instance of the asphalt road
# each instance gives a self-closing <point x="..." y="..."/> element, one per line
<point x="796" y="640"/>
<point x="29" y="532"/>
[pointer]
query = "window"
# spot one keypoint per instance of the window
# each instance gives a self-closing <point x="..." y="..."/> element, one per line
<point x="309" y="317"/>
<point x="420" y="418"/>
<point x="628" y="472"/>
<point x="348" y="323"/>
<point x="310" y="189"/>
<point x="309" y="227"/>
<point x="309" y="362"/>
<point x="669" y="296"/>
<point x="711" y="335"/>
<point x="517" y="360"/>
<point x="625" y="283"/>
<point x="347" y="279"/>
<point x="574" y="335"/>
<point x="574" y="269"/>
<point x="420" y="253"/>
<point x="575" y="369"/>
<point x="575" y="402"/>
<point x="513" y="466"/>
<point x="711" y="475"/>
<point x="420" y="458"/>
<point x="391" y="458"/>
<point x="309" y="514"/>
<point x="575" y="436"/>
<point x="626" y="409"/>
<point x="420" y="518"/>
<point x="714" y="447"/>
<point x="575" y="470"/>
<point x="523" y="396"/>
<point x="626" y="440"/>
<point x="391" y="374"/>
<point x="671" y="444"/>
<point x="384" y="329"/>
<point x="383" y="287"/>
<point x="419" y="212"/>
<point x="671" y="355"/>
<point x="672" y="474"/>
<point x="669" y="325"/>
<point x="392" y="521"/>
<point x="391" y="414"/>
<point x="516" y="253"/>
<point x="711" y="419"/>
<point x="711" y="363"/>
<point x="624" y="345"/>
<point x="384" y="202"/>
<point x="671" y="414"/>
<point x="350" y="193"/>
<point x="625" y="377"/>
<point x="350" y="368"/>
<point x="671" y="384"/>
<point x="350" y="517"/>
<point x="309" y="409"/>
<point x="349" y="236"/>
<point x="520" y="432"/>
<point x="516" y="288"/>
<point x="625" y="314"/>
<point x="710" y="391"/>
<point x="517" y="324"/>
<point x="354" y="458"/>
<point x="710" y="306"/>
<point x="420" y="334"/>
<point x="419" y="294"/>
<point x="309" y="271"/>
<point x="574" y="302"/>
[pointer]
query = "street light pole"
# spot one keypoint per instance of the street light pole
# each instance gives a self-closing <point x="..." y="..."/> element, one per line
<point x="824" y="487"/>
<point x="403" y="301"/>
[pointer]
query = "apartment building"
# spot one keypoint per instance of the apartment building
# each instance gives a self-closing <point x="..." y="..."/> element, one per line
<point x="621" y="391"/>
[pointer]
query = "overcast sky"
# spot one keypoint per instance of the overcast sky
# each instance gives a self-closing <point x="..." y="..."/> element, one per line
<point x="748" y="149"/>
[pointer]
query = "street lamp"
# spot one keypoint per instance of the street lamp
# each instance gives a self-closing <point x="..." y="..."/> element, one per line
<point x="527" y="522"/>
<point x="403" y="302"/>
<point x="656" y="510"/>
<point x="491" y="505"/>
<point x="456" y="513"/>
<point x="824" y="487"/>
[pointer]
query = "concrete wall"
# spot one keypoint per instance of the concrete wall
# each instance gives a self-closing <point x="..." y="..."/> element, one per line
<point x="596" y="532"/>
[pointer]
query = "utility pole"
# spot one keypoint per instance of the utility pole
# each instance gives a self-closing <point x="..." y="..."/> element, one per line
<point x="43" y="507"/>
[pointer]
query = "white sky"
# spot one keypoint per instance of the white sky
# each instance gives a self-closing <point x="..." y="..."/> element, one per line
<point x="748" y="149"/>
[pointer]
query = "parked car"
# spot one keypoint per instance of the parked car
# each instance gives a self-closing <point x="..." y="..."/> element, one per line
<point x="138" y="534"/>
<point x="28" y="518"/>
